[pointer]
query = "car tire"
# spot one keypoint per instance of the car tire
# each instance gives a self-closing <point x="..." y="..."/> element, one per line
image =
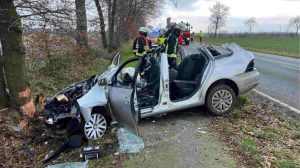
<point x="96" y="127"/>
<point x="220" y="100"/>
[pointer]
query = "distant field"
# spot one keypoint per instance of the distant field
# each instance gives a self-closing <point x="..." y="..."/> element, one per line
<point x="285" y="46"/>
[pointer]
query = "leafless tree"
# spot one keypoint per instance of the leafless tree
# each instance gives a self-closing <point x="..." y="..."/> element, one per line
<point x="16" y="14"/>
<point x="37" y="13"/>
<point x="101" y="22"/>
<point x="295" y="22"/>
<point x="124" y="18"/>
<point x="250" y="23"/>
<point x="111" y="10"/>
<point x="219" y="12"/>
<point x="81" y="23"/>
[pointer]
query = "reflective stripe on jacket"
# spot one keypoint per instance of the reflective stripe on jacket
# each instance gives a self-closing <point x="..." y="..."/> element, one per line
<point x="140" y="45"/>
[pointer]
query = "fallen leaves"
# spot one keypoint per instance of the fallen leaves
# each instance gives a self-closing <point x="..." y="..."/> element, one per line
<point x="262" y="137"/>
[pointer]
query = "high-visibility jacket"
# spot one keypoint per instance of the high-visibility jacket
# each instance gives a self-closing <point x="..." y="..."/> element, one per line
<point x="201" y="34"/>
<point x="141" y="45"/>
<point x="171" y="45"/>
<point x="160" y="40"/>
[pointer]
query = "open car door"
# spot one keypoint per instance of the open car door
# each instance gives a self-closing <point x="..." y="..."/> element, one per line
<point x="122" y="98"/>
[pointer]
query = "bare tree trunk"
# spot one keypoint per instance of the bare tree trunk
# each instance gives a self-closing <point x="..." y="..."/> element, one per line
<point x="112" y="8"/>
<point x="81" y="23"/>
<point x="14" y="59"/>
<point x="102" y="23"/>
<point x="297" y="31"/>
<point x="216" y="28"/>
<point x="117" y="39"/>
<point x="3" y="94"/>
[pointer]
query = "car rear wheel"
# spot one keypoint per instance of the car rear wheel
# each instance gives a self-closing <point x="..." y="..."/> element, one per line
<point x="220" y="100"/>
<point x="96" y="126"/>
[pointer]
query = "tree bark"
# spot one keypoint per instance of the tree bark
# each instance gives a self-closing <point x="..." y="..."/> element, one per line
<point x="14" y="59"/>
<point x="81" y="23"/>
<point x="216" y="28"/>
<point x="102" y="24"/>
<point x="112" y="8"/>
<point x="3" y="94"/>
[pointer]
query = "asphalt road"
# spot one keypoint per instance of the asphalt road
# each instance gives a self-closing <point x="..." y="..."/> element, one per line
<point x="279" y="77"/>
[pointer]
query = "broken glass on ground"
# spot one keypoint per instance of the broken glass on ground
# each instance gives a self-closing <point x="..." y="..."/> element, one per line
<point x="129" y="142"/>
<point x="70" y="165"/>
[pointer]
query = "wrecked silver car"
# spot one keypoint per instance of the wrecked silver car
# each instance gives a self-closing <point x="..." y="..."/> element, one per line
<point x="207" y="75"/>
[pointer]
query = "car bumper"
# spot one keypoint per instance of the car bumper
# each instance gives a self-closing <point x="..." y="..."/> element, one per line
<point x="247" y="81"/>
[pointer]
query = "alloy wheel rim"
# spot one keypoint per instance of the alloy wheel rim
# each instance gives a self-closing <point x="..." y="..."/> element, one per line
<point x="222" y="100"/>
<point x="96" y="127"/>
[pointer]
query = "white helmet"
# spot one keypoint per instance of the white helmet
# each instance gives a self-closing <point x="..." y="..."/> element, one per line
<point x="143" y="29"/>
<point x="180" y="26"/>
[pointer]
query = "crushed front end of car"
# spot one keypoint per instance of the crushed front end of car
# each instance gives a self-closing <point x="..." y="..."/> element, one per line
<point x="63" y="106"/>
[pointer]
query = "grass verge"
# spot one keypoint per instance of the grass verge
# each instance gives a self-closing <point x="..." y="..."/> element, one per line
<point x="284" y="46"/>
<point x="258" y="137"/>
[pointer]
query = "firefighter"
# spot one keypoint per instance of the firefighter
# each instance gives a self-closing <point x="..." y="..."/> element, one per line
<point x="168" y="32"/>
<point x="160" y="40"/>
<point x="172" y="44"/>
<point x="141" y="44"/>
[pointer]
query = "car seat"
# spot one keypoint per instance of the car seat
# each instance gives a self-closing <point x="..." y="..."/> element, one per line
<point x="148" y="96"/>
<point x="189" y="75"/>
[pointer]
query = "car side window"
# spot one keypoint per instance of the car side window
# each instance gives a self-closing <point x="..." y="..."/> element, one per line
<point x="213" y="51"/>
<point x="222" y="50"/>
<point x="125" y="75"/>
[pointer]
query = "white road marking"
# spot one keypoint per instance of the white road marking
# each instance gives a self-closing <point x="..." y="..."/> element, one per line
<point x="277" y="101"/>
<point x="290" y="67"/>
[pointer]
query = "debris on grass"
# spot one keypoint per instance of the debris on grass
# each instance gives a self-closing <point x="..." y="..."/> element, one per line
<point x="29" y="146"/>
<point x="202" y="132"/>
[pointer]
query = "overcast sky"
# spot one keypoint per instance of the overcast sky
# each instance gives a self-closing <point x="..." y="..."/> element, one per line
<point x="271" y="15"/>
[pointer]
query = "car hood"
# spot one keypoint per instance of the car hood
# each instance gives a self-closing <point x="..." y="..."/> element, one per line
<point x="86" y="93"/>
<point x="88" y="83"/>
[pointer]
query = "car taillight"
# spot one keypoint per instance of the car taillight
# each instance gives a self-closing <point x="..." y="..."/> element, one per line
<point x="250" y="66"/>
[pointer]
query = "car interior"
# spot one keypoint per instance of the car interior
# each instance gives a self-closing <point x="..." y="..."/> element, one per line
<point x="187" y="78"/>
<point x="184" y="81"/>
<point x="148" y="93"/>
<point x="148" y="81"/>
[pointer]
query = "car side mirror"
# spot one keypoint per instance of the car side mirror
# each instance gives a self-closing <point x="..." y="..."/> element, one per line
<point x="103" y="82"/>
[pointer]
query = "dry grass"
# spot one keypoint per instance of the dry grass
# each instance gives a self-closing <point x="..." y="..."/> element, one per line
<point x="260" y="137"/>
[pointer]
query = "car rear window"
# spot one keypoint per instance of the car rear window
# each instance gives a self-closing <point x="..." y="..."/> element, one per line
<point x="218" y="51"/>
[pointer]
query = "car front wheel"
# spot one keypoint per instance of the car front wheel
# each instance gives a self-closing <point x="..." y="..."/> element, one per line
<point x="95" y="127"/>
<point x="220" y="100"/>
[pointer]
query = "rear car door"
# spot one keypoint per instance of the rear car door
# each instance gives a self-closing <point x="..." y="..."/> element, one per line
<point x="122" y="96"/>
